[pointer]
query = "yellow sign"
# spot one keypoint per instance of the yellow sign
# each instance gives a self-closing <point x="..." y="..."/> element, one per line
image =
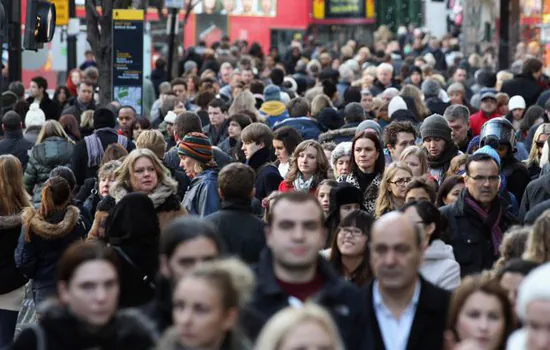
<point x="128" y="15"/>
<point x="319" y="9"/>
<point x="61" y="12"/>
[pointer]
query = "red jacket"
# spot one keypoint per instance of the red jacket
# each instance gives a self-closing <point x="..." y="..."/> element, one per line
<point x="283" y="187"/>
<point x="478" y="119"/>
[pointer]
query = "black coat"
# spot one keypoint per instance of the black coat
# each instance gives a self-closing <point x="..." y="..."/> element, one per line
<point x="429" y="323"/>
<point x="159" y="310"/>
<point x="471" y="241"/>
<point x="517" y="176"/>
<point x="436" y="105"/>
<point x="268" y="177"/>
<point x="340" y="298"/>
<point x="536" y="192"/>
<point x="11" y="277"/>
<point x="181" y="178"/>
<point x="76" y="108"/>
<point x="15" y="144"/>
<point x="48" y="106"/>
<point x="525" y="86"/>
<point x="532" y="215"/>
<point x="241" y="231"/>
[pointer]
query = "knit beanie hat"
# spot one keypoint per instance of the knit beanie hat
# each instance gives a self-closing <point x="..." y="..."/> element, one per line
<point x="396" y="104"/>
<point x="369" y="124"/>
<point x="329" y="118"/>
<point x="104" y="118"/>
<point x="342" y="149"/>
<point x="197" y="146"/>
<point x="490" y="151"/>
<point x="35" y="116"/>
<point x="435" y="126"/>
<point x="272" y="93"/>
<point x="170" y="117"/>
<point x="430" y="88"/>
<point x="516" y="102"/>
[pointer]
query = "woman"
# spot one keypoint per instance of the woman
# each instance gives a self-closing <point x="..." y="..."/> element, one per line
<point x="458" y="165"/>
<point x="392" y="188"/>
<point x="450" y="190"/>
<point x="538" y="241"/>
<point x="308" y="167"/>
<point x="141" y="171"/>
<point x="344" y="199"/>
<point x="53" y="148"/>
<point x="207" y="303"/>
<point x="349" y="253"/>
<point x="340" y="159"/>
<point x="308" y="327"/>
<point x="413" y="92"/>
<point x="534" y="159"/>
<point x="195" y="152"/>
<point x="416" y="160"/>
<point x="319" y="103"/>
<point x="46" y="234"/>
<point x="285" y="140"/>
<point x="86" y="317"/>
<point x="87" y="123"/>
<point x="70" y="126"/>
<point x="439" y="266"/>
<point x="73" y="79"/>
<point x="513" y="245"/>
<point x="244" y="101"/>
<point x="480" y="315"/>
<point x="534" y="115"/>
<point x="192" y="87"/>
<point x="323" y="194"/>
<point x="139" y="125"/>
<point x="366" y="167"/>
<point x="232" y="144"/>
<point x="95" y="189"/>
<point x="13" y="200"/>
<point x="61" y="96"/>
<point x="420" y="189"/>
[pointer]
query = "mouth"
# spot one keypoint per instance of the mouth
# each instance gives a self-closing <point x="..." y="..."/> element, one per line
<point x="298" y="251"/>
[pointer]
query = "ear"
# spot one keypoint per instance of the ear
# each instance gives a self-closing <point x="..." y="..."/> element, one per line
<point x="164" y="267"/>
<point x="430" y="229"/>
<point x="220" y="193"/>
<point x="63" y="292"/>
<point x="253" y="193"/>
<point x="231" y="318"/>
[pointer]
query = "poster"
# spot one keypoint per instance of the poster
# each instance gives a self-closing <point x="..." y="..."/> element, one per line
<point x="211" y="28"/>
<point x="257" y="8"/>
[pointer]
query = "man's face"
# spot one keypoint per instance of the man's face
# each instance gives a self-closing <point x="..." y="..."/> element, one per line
<point x="35" y="90"/>
<point x="366" y="102"/>
<point x="267" y="6"/>
<point x="216" y="116"/>
<point x="226" y="74"/>
<point x="229" y="5"/>
<point x="488" y="105"/>
<point x="85" y="93"/>
<point x="434" y="146"/>
<point x="459" y="76"/>
<point x="125" y="118"/>
<point x="249" y="148"/>
<point x="186" y="256"/>
<point x="248" y="76"/>
<point x="404" y="140"/>
<point x="537" y="324"/>
<point x="384" y="76"/>
<point x="180" y="91"/>
<point x="483" y="181"/>
<point x="459" y="130"/>
<point x="296" y="234"/>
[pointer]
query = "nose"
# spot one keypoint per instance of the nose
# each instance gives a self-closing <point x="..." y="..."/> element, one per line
<point x="243" y="148"/>
<point x="298" y="234"/>
<point x="390" y="258"/>
<point x="181" y="163"/>
<point x="101" y="294"/>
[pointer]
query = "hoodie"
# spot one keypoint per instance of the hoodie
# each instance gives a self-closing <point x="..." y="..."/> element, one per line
<point x="275" y="111"/>
<point x="440" y="267"/>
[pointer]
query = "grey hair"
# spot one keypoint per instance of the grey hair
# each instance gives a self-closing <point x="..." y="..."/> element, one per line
<point x="454" y="112"/>
<point x="533" y="288"/>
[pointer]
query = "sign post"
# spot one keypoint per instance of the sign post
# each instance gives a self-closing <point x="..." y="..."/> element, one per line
<point x="128" y="58"/>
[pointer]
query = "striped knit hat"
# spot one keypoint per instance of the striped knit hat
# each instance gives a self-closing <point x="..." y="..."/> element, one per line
<point x="197" y="146"/>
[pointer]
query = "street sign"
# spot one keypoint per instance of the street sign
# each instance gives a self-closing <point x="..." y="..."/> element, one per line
<point x="174" y="4"/>
<point x="61" y="11"/>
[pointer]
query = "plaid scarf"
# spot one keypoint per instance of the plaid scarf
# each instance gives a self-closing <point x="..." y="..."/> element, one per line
<point x="490" y="219"/>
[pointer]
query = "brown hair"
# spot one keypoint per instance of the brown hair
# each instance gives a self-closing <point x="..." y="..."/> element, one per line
<point x="538" y="241"/>
<point x="384" y="201"/>
<point x="294" y="197"/>
<point x="456" y="163"/>
<point x="380" y="163"/>
<point x="13" y="196"/>
<point x="236" y="180"/>
<point x="513" y="245"/>
<point x="70" y="125"/>
<point x="114" y="152"/>
<point x="424" y="183"/>
<point x="152" y="140"/>
<point x="257" y="133"/>
<point x="322" y="162"/>
<point x="52" y="128"/>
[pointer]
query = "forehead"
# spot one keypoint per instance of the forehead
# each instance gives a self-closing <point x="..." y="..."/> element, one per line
<point x="126" y="111"/>
<point x="394" y="232"/>
<point x="143" y="161"/>
<point x="309" y="150"/>
<point x="363" y="142"/>
<point x="196" y="247"/>
<point x="405" y="135"/>
<point x="487" y="167"/>
<point x="94" y="271"/>
<point x="286" y="210"/>
<point x="401" y="173"/>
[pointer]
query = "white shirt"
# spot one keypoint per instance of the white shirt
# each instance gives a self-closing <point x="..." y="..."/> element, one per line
<point x="283" y="169"/>
<point x="395" y="332"/>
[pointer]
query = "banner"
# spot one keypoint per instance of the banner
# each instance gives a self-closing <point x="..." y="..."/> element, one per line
<point x="257" y="8"/>
<point x="332" y="9"/>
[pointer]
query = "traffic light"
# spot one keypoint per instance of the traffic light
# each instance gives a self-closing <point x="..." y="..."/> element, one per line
<point x="40" y="24"/>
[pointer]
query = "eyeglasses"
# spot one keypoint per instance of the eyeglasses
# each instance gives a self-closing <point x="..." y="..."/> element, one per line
<point x="352" y="231"/>
<point x="401" y="182"/>
<point x="482" y="179"/>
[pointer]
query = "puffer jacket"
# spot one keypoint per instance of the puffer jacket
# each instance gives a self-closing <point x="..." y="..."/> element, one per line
<point x="51" y="153"/>
<point x="307" y="127"/>
<point x="202" y="196"/>
<point x="275" y="111"/>
<point x="440" y="267"/>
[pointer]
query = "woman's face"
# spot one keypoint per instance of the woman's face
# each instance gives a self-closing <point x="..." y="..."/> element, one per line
<point x="342" y="165"/>
<point x="191" y="85"/>
<point x="75" y="78"/>
<point x="307" y="161"/>
<point x="365" y="154"/>
<point x="308" y="335"/>
<point x="348" y="208"/>
<point x="188" y="164"/>
<point x="416" y="78"/>
<point x="234" y="130"/>
<point x="351" y="241"/>
<point x="280" y="151"/>
<point x="414" y="163"/>
<point x="481" y="319"/>
<point x="199" y="315"/>
<point x="179" y="108"/>
<point x="398" y="183"/>
<point x="453" y="194"/>
<point x="137" y="131"/>
<point x="62" y="96"/>
<point x="540" y="142"/>
<point x="417" y="195"/>
<point x="105" y="184"/>
<point x="323" y="196"/>
<point x="144" y="177"/>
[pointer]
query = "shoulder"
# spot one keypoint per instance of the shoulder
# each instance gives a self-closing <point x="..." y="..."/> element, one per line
<point x="134" y="327"/>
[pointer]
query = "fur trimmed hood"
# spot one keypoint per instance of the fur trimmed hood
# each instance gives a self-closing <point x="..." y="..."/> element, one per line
<point x="46" y="230"/>
<point x="333" y="134"/>
<point x="11" y="221"/>
<point x="164" y="189"/>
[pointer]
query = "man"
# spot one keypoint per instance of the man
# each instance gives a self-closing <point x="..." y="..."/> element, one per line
<point x="487" y="111"/>
<point x="300" y="118"/>
<point x="89" y="60"/>
<point x="384" y="79"/>
<point x="39" y="94"/>
<point x="217" y="129"/>
<point x="440" y="148"/>
<point x="83" y="101"/>
<point x="366" y="103"/>
<point x="179" y="88"/>
<point x="460" y="75"/>
<point x="431" y="90"/>
<point x="291" y="271"/>
<point x="126" y="116"/>
<point x="159" y="74"/>
<point x="273" y="109"/>
<point x="236" y="189"/>
<point x="13" y="142"/>
<point x="478" y="219"/>
<point x="405" y="311"/>
<point x="354" y="114"/>
<point x="397" y="137"/>
<point x="225" y="73"/>
<point x="18" y="88"/>
<point x="458" y="118"/>
<point x="526" y="84"/>
<point x="512" y="274"/>
<point x="247" y="75"/>
<point x="536" y="192"/>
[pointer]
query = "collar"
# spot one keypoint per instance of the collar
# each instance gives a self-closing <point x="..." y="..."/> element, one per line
<point x="378" y="301"/>
<point x="259" y="158"/>
<point x="239" y="204"/>
<point x="16" y="134"/>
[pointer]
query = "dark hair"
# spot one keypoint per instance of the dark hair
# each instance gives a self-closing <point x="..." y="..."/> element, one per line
<point x="160" y="63"/>
<point x="277" y="76"/>
<point x="179" y="81"/>
<point x="422" y="182"/>
<point x="56" y="192"/>
<point x="11" y="121"/>
<point x="18" y="88"/>
<point x="393" y="129"/>
<point x="294" y="197"/>
<point x="204" y="98"/>
<point x="143" y="123"/>
<point x="85" y="82"/>
<point x="41" y="83"/>
<point x="187" y="122"/>
<point x="354" y="113"/>
<point x="242" y="119"/>
<point x="236" y="180"/>
<point x="363" y="274"/>
<point x="257" y="87"/>
<point x="58" y="91"/>
<point x="531" y="65"/>
<point x="429" y="214"/>
<point x="380" y="163"/>
<point x="289" y="137"/>
<point x="65" y="173"/>
<point x="479" y="157"/>
<point x="21" y="107"/>
<point x="298" y="107"/>
<point x="446" y="187"/>
<point x="329" y="88"/>
<point x="185" y="229"/>
<point x="114" y="151"/>
<point x="517" y="265"/>
<point x="128" y="107"/>
<point x="530" y="116"/>
<point x="352" y="94"/>
<point x="219" y="103"/>
<point x="70" y="125"/>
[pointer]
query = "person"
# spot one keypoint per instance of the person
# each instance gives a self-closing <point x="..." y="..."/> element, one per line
<point x="398" y="289"/>
<point x="384" y="79"/>
<point x="450" y="190"/>
<point x="138" y="126"/>
<point x="126" y="116"/>
<point x="14" y="199"/>
<point x="257" y="139"/>
<point x="516" y="108"/>
<point x="354" y="114"/>
<point x="46" y="234"/>
<point x="291" y="271"/>
<point x="94" y="190"/>
<point x="53" y="147"/>
<point x="526" y="84"/>
<point x="349" y="253"/>
<point x="272" y="108"/>
<point x="88" y="152"/>
<point x="457" y="165"/>
<point x="285" y="140"/>
<point x="70" y="125"/>
<point x="85" y="315"/>
<point x="397" y="137"/>
<point x="416" y="159"/>
<point x="39" y="94"/>
<point x="479" y="216"/>
<point x="232" y="144"/>
<point x="439" y="265"/>
<point x="511" y="275"/>
<point x="216" y="291"/>
<point x="487" y="111"/>
<point x="392" y="188"/>
<point x="236" y="189"/>
<point x="134" y="238"/>
<point x="431" y="89"/>
<point x="323" y="194"/>
<point x="197" y="161"/>
<point x="538" y="240"/>
<point x="309" y="327"/>
<point x="308" y="167"/>
<point x="34" y="119"/>
<point x="533" y="161"/>
<point x="217" y="129"/>
<point x="440" y="148"/>
<point x="13" y="142"/>
<point x="83" y="101"/>
<point x="458" y="118"/>
<point x="340" y="159"/>
<point x="366" y="167"/>
<point x="480" y="315"/>
<point x="420" y="189"/>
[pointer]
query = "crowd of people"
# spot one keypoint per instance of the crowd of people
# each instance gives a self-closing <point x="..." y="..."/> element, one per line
<point x="393" y="196"/>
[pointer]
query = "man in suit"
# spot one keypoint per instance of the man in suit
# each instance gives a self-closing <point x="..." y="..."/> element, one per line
<point x="405" y="311"/>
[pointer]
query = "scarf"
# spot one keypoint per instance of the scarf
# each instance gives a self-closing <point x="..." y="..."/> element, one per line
<point x="444" y="159"/>
<point x="164" y="189"/>
<point x="95" y="147"/>
<point x="302" y="185"/>
<point x="489" y="219"/>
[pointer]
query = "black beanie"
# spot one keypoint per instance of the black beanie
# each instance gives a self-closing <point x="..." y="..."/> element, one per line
<point x="330" y="119"/>
<point x="104" y="118"/>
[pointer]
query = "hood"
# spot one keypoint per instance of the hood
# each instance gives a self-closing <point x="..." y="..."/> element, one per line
<point x="164" y="189"/>
<point x="438" y="250"/>
<point x="333" y="134"/>
<point x="53" y="151"/>
<point x="45" y="229"/>
<point x="273" y="108"/>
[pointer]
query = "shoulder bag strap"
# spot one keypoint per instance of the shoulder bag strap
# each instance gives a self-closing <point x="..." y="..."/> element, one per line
<point x="146" y="279"/>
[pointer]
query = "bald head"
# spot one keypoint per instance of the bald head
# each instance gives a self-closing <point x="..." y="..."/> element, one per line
<point x="400" y="221"/>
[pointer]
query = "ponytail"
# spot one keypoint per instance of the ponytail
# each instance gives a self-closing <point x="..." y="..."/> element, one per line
<point x="47" y="205"/>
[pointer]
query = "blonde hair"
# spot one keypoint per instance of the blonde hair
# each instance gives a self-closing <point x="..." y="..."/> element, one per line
<point x="534" y="158"/>
<point x="13" y="196"/>
<point x="413" y="92"/>
<point x="153" y="140"/>
<point x="512" y="246"/>
<point x="502" y="76"/>
<point x="52" y="128"/>
<point x="108" y="169"/>
<point x="419" y="153"/>
<point x="124" y="172"/>
<point x="318" y="103"/>
<point x="538" y="241"/>
<point x="244" y="101"/>
<point x="384" y="201"/>
<point x="322" y="162"/>
<point x="456" y="163"/>
<point x="87" y="119"/>
<point x="283" y="322"/>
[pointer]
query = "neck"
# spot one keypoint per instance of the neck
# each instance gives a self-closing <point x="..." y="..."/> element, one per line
<point x="398" y="201"/>
<point x="351" y="263"/>
<point x="39" y="98"/>
<point x="296" y="276"/>
<point x="397" y="300"/>
<point x="369" y="170"/>
<point x="306" y="176"/>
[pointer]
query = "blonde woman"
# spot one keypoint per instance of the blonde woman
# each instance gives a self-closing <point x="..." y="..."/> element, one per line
<point x="415" y="158"/>
<point x="533" y="162"/>
<point x="415" y="94"/>
<point x="244" y="101"/>
<point x="318" y="103"/>
<point x="538" y="241"/>
<point x="53" y="148"/>
<point x="393" y="188"/>
<point x="87" y="123"/>
<point x="308" y="167"/>
<point x="308" y="327"/>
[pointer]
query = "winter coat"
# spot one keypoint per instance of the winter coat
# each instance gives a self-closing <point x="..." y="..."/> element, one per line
<point x="159" y="310"/>
<point x="202" y="196"/>
<point x="436" y="105"/>
<point x="307" y="127"/>
<point x="274" y="111"/>
<point x="344" y="134"/>
<point x="171" y="341"/>
<point x="31" y="133"/>
<point x="267" y="174"/>
<point x="48" y="106"/>
<point x="181" y="178"/>
<point x="371" y="192"/>
<point x="525" y="86"/>
<point x="38" y="256"/>
<point x="128" y="329"/>
<point x="438" y="167"/>
<point x="440" y="267"/>
<point x="11" y="277"/>
<point x="88" y="196"/>
<point x="75" y="108"/>
<point x="517" y="176"/>
<point x="51" y="153"/>
<point x="478" y="119"/>
<point x="247" y="239"/>
<point x="172" y="160"/>
<point x="15" y="144"/>
<point x="533" y="214"/>
<point x="216" y="136"/>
